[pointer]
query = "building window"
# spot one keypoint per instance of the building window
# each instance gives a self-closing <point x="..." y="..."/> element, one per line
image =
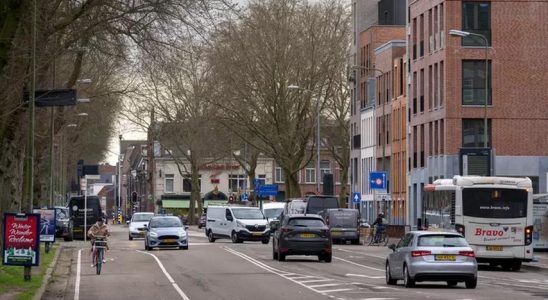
<point x="237" y="182"/>
<point x="169" y="183"/>
<point x="472" y="133"/>
<point x="310" y="174"/>
<point x="262" y="179"/>
<point x="476" y="18"/>
<point x="187" y="183"/>
<point x="473" y="82"/>
<point x="325" y="168"/>
<point x="279" y="176"/>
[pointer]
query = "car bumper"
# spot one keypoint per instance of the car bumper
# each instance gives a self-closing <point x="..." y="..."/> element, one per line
<point x="428" y="271"/>
<point x="305" y="247"/>
<point x="137" y="233"/>
<point x="345" y="235"/>
<point x="163" y="243"/>
<point x="253" y="236"/>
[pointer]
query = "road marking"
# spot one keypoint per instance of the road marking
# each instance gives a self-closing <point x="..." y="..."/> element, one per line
<point x="169" y="278"/>
<point x="359" y="265"/>
<point x="365" y="276"/>
<point x="316" y="280"/>
<point x="378" y="298"/>
<point x="322" y="285"/>
<point x="337" y="290"/>
<point x="361" y="253"/>
<point x="78" y="268"/>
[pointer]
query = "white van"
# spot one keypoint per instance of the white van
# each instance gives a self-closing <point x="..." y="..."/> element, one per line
<point x="238" y="223"/>
<point x="273" y="210"/>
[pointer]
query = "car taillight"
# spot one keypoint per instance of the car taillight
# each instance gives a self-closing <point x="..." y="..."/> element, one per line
<point x="324" y="232"/>
<point x="327" y="221"/>
<point x="285" y="229"/>
<point x="460" y="229"/>
<point x="467" y="253"/>
<point x="420" y="253"/>
<point x="528" y="235"/>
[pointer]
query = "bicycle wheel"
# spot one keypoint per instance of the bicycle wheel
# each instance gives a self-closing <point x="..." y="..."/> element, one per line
<point x="99" y="260"/>
<point x="371" y="240"/>
<point x="385" y="239"/>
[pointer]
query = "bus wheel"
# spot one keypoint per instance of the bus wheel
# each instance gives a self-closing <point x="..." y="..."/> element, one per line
<point x="516" y="266"/>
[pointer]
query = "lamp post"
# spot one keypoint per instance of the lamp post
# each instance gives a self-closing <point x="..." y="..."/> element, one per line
<point x="318" y="141"/>
<point x="461" y="33"/>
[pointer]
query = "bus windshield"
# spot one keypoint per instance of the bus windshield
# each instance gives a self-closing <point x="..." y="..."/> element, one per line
<point x="495" y="203"/>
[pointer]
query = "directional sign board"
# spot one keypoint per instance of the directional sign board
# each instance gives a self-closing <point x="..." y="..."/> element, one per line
<point x="267" y="190"/>
<point x="245" y="197"/>
<point x="356" y="197"/>
<point x="377" y="180"/>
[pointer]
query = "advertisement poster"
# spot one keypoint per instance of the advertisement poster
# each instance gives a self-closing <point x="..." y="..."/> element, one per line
<point x="47" y="224"/>
<point x="21" y="239"/>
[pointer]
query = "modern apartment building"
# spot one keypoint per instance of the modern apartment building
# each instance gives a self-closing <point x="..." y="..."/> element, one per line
<point x="449" y="88"/>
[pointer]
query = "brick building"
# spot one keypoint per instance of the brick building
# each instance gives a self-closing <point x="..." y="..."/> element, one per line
<point x="448" y="89"/>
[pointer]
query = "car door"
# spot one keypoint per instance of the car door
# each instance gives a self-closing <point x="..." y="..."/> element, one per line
<point x="227" y="223"/>
<point x="398" y="256"/>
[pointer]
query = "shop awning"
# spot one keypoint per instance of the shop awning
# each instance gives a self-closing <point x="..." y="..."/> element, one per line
<point x="176" y="203"/>
<point x="214" y="202"/>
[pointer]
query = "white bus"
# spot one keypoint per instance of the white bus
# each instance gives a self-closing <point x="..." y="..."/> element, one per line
<point x="495" y="215"/>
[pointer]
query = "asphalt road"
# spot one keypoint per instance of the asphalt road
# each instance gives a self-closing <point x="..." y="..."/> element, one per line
<point x="223" y="270"/>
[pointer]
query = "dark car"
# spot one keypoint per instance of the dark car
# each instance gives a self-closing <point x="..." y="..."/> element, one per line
<point x="344" y="224"/>
<point x="63" y="223"/>
<point x="301" y="235"/>
<point x="202" y="222"/>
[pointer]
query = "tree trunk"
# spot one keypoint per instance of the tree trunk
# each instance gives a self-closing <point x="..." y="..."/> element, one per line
<point x="194" y="196"/>
<point x="292" y="184"/>
<point x="251" y="178"/>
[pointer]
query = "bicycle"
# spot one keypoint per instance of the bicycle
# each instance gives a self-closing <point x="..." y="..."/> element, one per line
<point x="99" y="248"/>
<point x="378" y="241"/>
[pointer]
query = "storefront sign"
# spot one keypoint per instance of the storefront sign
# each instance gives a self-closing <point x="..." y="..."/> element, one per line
<point x="47" y="224"/>
<point x="21" y="239"/>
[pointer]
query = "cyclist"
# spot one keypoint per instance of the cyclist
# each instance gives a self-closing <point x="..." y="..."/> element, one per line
<point x="379" y="227"/>
<point x="98" y="229"/>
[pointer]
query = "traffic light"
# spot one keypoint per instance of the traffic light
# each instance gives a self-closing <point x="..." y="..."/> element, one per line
<point x="231" y="199"/>
<point x="134" y="197"/>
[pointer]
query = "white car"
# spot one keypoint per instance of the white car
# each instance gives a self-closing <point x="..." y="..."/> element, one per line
<point x="238" y="223"/>
<point x="138" y="223"/>
<point x="273" y="210"/>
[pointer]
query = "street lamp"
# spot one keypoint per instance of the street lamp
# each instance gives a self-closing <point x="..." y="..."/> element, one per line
<point x="455" y="32"/>
<point x="296" y="87"/>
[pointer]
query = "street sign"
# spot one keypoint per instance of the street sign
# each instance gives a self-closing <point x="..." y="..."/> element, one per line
<point x="21" y="245"/>
<point x="267" y="190"/>
<point x="55" y="97"/>
<point x="83" y="184"/>
<point x="377" y="180"/>
<point x="356" y="197"/>
<point x="256" y="182"/>
<point x="245" y="197"/>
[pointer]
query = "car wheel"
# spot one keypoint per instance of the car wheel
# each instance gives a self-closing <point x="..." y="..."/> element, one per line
<point x="327" y="257"/>
<point x="516" y="266"/>
<point x="407" y="281"/>
<point x="130" y="238"/>
<point x="147" y="248"/>
<point x="235" y="239"/>
<point x="199" y="226"/>
<point x="184" y="247"/>
<point x="388" y="275"/>
<point x="265" y="241"/>
<point x="274" y="253"/>
<point x="471" y="284"/>
<point x="281" y="256"/>
<point x="452" y="283"/>
<point x="210" y="237"/>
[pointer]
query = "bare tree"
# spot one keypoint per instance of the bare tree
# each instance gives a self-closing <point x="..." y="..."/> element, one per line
<point x="275" y="44"/>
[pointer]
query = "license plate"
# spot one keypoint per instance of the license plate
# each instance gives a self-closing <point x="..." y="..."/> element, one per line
<point x="308" y="235"/>
<point x="336" y="233"/>
<point x="494" y="248"/>
<point x="257" y="233"/>
<point x="170" y="241"/>
<point x="446" y="257"/>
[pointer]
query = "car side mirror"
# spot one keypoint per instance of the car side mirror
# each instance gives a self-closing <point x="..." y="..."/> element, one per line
<point x="274" y="225"/>
<point x="186" y="227"/>
<point x="392" y="247"/>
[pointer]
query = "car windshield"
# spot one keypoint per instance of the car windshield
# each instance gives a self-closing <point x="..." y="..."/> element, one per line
<point x="248" y="214"/>
<point x="272" y="213"/>
<point x="165" y="222"/>
<point x="296" y="207"/>
<point x="442" y="240"/>
<point x="142" y="217"/>
<point x="306" y="222"/>
<point x="62" y="213"/>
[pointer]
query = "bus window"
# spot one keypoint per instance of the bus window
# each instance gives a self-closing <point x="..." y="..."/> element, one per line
<point x="494" y="203"/>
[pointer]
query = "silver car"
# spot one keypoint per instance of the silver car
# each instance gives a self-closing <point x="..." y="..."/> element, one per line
<point x="432" y="256"/>
<point x="166" y="232"/>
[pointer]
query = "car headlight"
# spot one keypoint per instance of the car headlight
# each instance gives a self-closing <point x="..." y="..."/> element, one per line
<point x="240" y="224"/>
<point x="182" y="233"/>
<point x="153" y="234"/>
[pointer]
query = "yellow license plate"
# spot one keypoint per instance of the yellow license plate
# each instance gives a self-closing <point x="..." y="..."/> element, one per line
<point x="257" y="233"/>
<point x="170" y="241"/>
<point x="494" y="248"/>
<point x="446" y="257"/>
<point x="308" y="235"/>
<point x="336" y="233"/>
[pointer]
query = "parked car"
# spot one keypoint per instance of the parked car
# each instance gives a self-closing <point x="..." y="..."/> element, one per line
<point x="432" y="256"/>
<point x="301" y="235"/>
<point x="63" y="223"/>
<point x="238" y="223"/>
<point x="273" y="210"/>
<point x="166" y="232"/>
<point x="137" y="225"/>
<point x="202" y="221"/>
<point x="343" y="224"/>
<point x="309" y="205"/>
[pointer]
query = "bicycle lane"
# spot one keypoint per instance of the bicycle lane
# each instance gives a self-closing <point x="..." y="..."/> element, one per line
<point x="127" y="274"/>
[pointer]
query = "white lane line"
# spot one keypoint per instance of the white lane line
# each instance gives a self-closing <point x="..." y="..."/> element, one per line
<point x="359" y="265"/>
<point x="379" y="299"/>
<point x="365" y="276"/>
<point x="78" y="269"/>
<point x="324" y="285"/>
<point x="316" y="280"/>
<point x="337" y="290"/>
<point x="361" y="253"/>
<point x="301" y="277"/>
<point x="169" y="278"/>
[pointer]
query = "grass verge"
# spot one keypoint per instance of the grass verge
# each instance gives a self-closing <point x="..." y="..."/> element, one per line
<point x="11" y="277"/>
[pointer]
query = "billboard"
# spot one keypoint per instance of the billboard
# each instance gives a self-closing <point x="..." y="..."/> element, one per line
<point x="47" y="224"/>
<point x="21" y="239"/>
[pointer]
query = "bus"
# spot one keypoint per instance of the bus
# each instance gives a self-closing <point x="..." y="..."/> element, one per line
<point x="77" y="213"/>
<point x="494" y="214"/>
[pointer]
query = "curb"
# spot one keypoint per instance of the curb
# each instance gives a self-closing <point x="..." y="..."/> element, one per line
<point x="532" y="267"/>
<point x="47" y="276"/>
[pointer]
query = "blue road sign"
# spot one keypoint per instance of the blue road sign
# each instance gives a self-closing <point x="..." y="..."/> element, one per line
<point x="256" y="182"/>
<point x="267" y="190"/>
<point x="245" y="197"/>
<point x="356" y="197"/>
<point x="377" y="180"/>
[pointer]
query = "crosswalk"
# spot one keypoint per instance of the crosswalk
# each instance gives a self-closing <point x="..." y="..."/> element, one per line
<point x="330" y="287"/>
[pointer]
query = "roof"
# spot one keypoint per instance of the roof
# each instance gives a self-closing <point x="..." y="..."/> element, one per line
<point x="434" y="232"/>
